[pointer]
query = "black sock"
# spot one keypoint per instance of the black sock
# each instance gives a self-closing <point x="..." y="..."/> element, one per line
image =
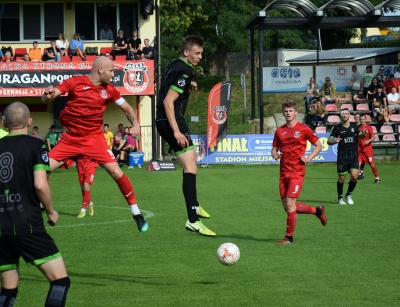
<point x="7" y="297"/>
<point x="339" y="186"/>
<point x="57" y="294"/>
<point x="318" y="212"/>
<point x="189" y="191"/>
<point x="352" y="186"/>
<point x="290" y="238"/>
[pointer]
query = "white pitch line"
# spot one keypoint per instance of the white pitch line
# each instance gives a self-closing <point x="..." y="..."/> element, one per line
<point x="146" y="214"/>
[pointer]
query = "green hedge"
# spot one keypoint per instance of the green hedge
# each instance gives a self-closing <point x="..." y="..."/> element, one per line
<point x="377" y="44"/>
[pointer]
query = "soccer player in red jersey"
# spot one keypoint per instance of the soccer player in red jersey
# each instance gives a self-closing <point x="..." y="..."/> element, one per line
<point x="88" y="97"/>
<point x="86" y="170"/>
<point x="365" y="152"/>
<point x="289" y="145"/>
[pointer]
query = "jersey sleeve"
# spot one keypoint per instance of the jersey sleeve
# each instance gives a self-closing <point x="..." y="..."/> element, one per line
<point x="181" y="81"/>
<point x="41" y="157"/>
<point x="275" y="142"/>
<point x="311" y="136"/>
<point x="65" y="85"/>
<point x="334" y="133"/>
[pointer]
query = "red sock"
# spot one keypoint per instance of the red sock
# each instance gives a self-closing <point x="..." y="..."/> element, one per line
<point x="126" y="188"/>
<point x="291" y="223"/>
<point x="375" y="171"/>
<point x="305" y="209"/>
<point x="85" y="199"/>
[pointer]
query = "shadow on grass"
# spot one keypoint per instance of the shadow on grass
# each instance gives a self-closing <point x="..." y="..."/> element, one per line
<point x="120" y="278"/>
<point x="246" y="238"/>
<point x="67" y="213"/>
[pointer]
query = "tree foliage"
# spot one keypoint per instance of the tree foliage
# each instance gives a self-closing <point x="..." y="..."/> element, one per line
<point x="222" y="23"/>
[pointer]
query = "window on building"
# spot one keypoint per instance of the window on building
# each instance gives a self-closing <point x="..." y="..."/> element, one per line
<point x="31" y="16"/>
<point x="90" y="18"/>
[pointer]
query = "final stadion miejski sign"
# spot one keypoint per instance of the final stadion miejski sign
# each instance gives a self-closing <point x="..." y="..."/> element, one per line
<point x="29" y="79"/>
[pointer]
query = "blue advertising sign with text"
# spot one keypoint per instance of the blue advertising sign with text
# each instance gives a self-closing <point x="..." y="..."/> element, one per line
<point x="252" y="149"/>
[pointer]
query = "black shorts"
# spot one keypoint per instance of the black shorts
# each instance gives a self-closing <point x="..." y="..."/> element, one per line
<point x="165" y="130"/>
<point x="35" y="249"/>
<point x="347" y="160"/>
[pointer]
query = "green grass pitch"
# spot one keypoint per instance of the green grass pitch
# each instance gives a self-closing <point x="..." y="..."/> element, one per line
<point x="353" y="261"/>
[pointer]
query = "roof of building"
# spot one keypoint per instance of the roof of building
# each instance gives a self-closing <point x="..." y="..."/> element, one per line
<point x="340" y="55"/>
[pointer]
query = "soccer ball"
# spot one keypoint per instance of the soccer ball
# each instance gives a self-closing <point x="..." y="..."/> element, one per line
<point x="228" y="253"/>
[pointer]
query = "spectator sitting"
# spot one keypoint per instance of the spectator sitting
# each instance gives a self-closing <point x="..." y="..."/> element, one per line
<point x="119" y="141"/>
<point x="318" y="113"/>
<point x="148" y="51"/>
<point x="130" y="144"/>
<point x="62" y="43"/>
<point x="7" y="57"/>
<point x="393" y="101"/>
<point x="355" y="82"/>
<point x="381" y="76"/>
<point x="120" y="45"/>
<point x="328" y="91"/>
<point x="25" y="58"/>
<point x="106" y="33"/>
<point x="35" y="54"/>
<point x="311" y="88"/>
<point x="77" y="47"/>
<point x="390" y="83"/>
<point x="53" y="53"/>
<point x="134" y="44"/>
<point x="35" y="133"/>
<point x="380" y="114"/>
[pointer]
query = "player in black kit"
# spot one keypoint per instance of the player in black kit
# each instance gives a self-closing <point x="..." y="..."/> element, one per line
<point x="346" y="136"/>
<point x="24" y="164"/>
<point x="174" y="95"/>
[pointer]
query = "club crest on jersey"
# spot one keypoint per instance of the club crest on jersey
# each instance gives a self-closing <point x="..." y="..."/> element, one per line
<point x="103" y="94"/>
<point x="45" y="157"/>
<point x="200" y="150"/>
<point x="297" y="134"/>
<point x="352" y="129"/>
<point x="181" y="82"/>
<point x="219" y="115"/>
<point x="136" y="77"/>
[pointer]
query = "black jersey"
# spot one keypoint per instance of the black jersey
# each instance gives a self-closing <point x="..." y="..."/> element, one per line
<point x="177" y="76"/>
<point x="349" y="136"/>
<point x="20" y="156"/>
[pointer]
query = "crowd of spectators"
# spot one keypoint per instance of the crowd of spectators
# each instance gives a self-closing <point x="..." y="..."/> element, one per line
<point x="131" y="48"/>
<point x="121" y="142"/>
<point x="381" y="92"/>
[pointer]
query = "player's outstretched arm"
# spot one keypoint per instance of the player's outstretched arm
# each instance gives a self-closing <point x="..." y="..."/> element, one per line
<point x="43" y="192"/>
<point x="132" y="118"/>
<point x="50" y="93"/>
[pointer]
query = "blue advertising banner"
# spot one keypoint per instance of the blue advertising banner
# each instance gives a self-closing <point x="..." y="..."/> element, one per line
<point x="286" y="79"/>
<point x="252" y="149"/>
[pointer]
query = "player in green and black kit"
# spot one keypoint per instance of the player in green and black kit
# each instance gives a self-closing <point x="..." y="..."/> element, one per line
<point x="346" y="136"/>
<point x="171" y="125"/>
<point x="23" y="185"/>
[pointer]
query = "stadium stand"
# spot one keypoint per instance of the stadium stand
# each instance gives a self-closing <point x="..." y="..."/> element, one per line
<point x="103" y="50"/>
<point x="362" y="108"/>
<point x="389" y="137"/>
<point x="320" y="129"/>
<point x="20" y="52"/>
<point x="333" y="120"/>
<point x="395" y="118"/>
<point x="387" y="129"/>
<point x="347" y="106"/>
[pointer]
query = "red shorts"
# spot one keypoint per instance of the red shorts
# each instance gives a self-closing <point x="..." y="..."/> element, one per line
<point x="86" y="169"/>
<point x="290" y="185"/>
<point x="366" y="157"/>
<point x="73" y="145"/>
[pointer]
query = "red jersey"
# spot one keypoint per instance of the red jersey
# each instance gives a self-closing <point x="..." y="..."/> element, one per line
<point x="83" y="113"/>
<point x="361" y="146"/>
<point x="388" y="85"/>
<point x="292" y="143"/>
